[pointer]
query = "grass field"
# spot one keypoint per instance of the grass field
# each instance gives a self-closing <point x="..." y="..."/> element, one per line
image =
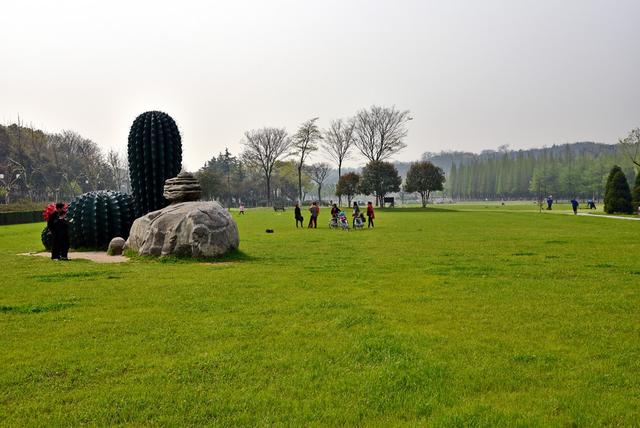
<point x="475" y="315"/>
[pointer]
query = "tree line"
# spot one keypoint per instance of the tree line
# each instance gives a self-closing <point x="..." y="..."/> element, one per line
<point x="567" y="171"/>
<point x="39" y="166"/>
<point x="274" y="166"/>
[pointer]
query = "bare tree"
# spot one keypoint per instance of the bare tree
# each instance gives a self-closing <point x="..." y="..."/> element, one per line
<point x="304" y="143"/>
<point x="631" y="146"/>
<point x="318" y="174"/>
<point x="339" y="140"/>
<point x="380" y="132"/>
<point x="117" y="165"/>
<point x="9" y="178"/>
<point x="262" y="148"/>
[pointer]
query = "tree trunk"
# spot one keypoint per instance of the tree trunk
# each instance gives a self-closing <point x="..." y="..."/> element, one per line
<point x="424" y="201"/>
<point x="339" y="175"/>
<point x="268" y="190"/>
<point x="319" y="194"/>
<point x="300" y="182"/>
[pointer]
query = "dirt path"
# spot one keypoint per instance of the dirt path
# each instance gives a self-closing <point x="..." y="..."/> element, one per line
<point x="94" y="256"/>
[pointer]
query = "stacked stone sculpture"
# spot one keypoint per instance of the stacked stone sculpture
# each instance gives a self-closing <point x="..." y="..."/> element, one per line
<point x="183" y="188"/>
<point x="187" y="227"/>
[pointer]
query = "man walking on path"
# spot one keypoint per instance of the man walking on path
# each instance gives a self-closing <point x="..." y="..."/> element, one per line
<point x="574" y="205"/>
<point x="59" y="228"/>
<point x="370" y="215"/>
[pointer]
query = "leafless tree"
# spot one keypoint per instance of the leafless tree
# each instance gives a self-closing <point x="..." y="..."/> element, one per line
<point x="338" y="141"/>
<point x="262" y="148"/>
<point x="9" y="177"/>
<point x="118" y="166"/>
<point x="318" y="174"/>
<point x="631" y="146"/>
<point x="304" y="143"/>
<point x="380" y="132"/>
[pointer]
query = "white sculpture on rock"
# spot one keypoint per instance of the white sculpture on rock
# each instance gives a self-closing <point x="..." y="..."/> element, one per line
<point x="186" y="227"/>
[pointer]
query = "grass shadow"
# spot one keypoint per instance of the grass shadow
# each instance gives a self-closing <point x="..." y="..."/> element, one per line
<point x="232" y="256"/>
<point x="419" y="210"/>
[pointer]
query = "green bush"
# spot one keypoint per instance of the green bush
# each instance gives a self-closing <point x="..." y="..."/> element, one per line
<point x="635" y="194"/>
<point x="617" y="198"/>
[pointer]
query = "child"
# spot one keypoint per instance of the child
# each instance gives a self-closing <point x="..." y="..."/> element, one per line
<point x="242" y="209"/>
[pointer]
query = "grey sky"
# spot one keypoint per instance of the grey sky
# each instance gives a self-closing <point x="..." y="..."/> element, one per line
<point x="475" y="74"/>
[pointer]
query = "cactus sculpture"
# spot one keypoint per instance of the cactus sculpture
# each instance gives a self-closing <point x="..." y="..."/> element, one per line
<point x="155" y="155"/>
<point x="46" y="238"/>
<point x="98" y="217"/>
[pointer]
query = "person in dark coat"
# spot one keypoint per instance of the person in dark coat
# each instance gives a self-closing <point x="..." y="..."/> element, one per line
<point x="574" y="205"/>
<point x="298" y="215"/>
<point x="335" y="210"/>
<point x="59" y="228"/>
<point x="549" y="202"/>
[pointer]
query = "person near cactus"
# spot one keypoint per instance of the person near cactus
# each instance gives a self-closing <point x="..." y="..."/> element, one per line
<point x="59" y="228"/>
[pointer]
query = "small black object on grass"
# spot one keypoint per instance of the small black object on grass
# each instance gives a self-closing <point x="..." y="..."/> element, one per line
<point x="269" y="230"/>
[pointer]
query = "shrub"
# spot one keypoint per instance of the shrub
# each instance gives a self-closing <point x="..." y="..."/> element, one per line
<point x="617" y="198"/>
<point x="635" y="194"/>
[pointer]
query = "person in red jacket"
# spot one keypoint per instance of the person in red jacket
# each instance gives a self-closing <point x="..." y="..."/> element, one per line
<point x="370" y="214"/>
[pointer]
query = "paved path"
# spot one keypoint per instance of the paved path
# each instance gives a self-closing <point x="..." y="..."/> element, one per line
<point x="606" y="216"/>
<point x="94" y="256"/>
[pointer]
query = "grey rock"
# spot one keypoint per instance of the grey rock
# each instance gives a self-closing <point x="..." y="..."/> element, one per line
<point x="116" y="246"/>
<point x="183" y="188"/>
<point x="197" y="229"/>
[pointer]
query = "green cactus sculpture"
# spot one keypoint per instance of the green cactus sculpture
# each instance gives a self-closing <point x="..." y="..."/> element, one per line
<point x="98" y="217"/>
<point x="155" y="155"/>
<point x="46" y="238"/>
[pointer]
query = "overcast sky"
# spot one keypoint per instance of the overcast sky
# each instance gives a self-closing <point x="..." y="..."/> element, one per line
<point x="475" y="74"/>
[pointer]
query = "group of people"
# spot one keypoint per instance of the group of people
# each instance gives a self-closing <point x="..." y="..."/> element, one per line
<point x="574" y="204"/>
<point x="336" y="212"/>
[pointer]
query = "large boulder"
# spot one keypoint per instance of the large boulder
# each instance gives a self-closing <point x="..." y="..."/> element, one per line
<point x="197" y="229"/>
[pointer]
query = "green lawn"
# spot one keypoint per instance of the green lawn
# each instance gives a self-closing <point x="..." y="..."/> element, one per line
<point x="452" y="316"/>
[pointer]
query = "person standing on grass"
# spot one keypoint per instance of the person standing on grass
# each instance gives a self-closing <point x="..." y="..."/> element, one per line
<point x="574" y="205"/>
<point x="242" y="209"/>
<point x="335" y="211"/>
<point x="59" y="228"/>
<point x="370" y="214"/>
<point x="314" y="210"/>
<point x="356" y="212"/>
<point x="549" y="202"/>
<point x="298" y="215"/>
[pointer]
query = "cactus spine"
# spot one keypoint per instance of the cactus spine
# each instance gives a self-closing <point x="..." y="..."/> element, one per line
<point x="99" y="217"/>
<point x="155" y="155"/>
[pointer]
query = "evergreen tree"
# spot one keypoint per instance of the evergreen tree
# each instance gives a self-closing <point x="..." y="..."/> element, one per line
<point x="635" y="195"/>
<point x="617" y="197"/>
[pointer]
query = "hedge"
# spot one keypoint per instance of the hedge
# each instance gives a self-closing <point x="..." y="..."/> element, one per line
<point x="21" y="217"/>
